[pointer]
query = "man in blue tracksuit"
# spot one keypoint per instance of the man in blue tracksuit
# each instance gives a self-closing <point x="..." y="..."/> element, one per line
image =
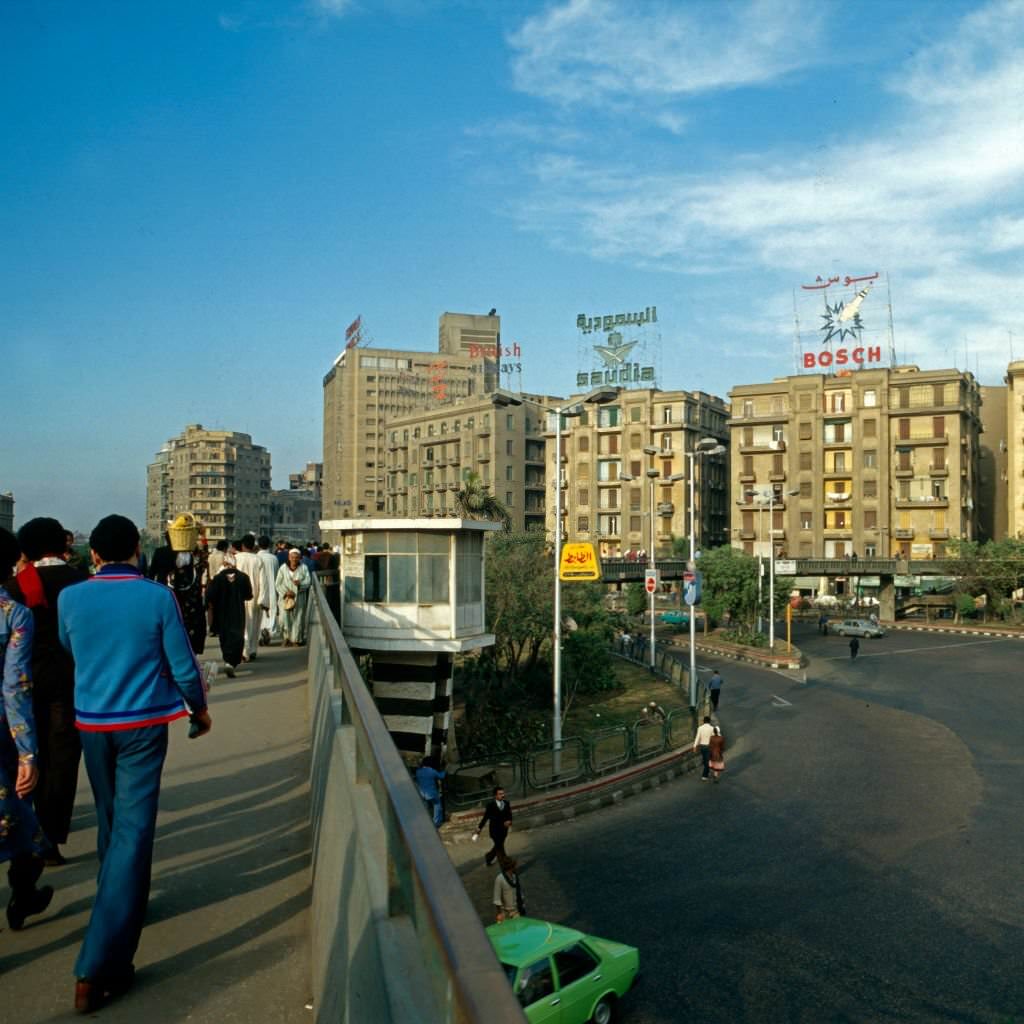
<point x="134" y="673"/>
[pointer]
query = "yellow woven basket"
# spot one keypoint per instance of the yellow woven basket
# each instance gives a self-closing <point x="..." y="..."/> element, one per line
<point x="184" y="532"/>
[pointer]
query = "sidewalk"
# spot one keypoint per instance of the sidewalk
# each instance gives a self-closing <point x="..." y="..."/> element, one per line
<point x="227" y="933"/>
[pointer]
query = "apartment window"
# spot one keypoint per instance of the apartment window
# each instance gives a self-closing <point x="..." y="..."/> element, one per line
<point x="416" y="432"/>
<point x="666" y="414"/>
<point x="870" y="398"/>
<point x="938" y="426"/>
<point x="837" y="401"/>
<point x="635" y="524"/>
<point x="634" y="414"/>
<point x="870" y="459"/>
<point x="582" y="470"/>
<point x="748" y="408"/>
<point x="509" y="447"/>
<point x="508" y="499"/>
<point x="583" y="443"/>
<point x="904" y="490"/>
<point x="806" y="431"/>
<point x="608" y="415"/>
<point x="939" y="394"/>
<point x="748" y="465"/>
<point x="806" y="460"/>
<point x="748" y="437"/>
<point x="870" y="518"/>
<point x="635" y="499"/>
<point x="839" y="462"/>
<point x="806" y="398"/>
<point x="939" y="457"/>
<point x="583" y="496"/>
<point x="806" y="520"/>
<point x="805" y="489"/>
<point x="778" y="432"/>
<point x="583" y="524"/>
<point x="778" y="403"/>
<point x="777" y="460"/>
<point x="510" y="422"/>
<point x="430" y="430"/>
<point x="508" y="473"/>
<point x="870" y="550"/>
<point x="869" y="489"/>
<point x="636" y="469"/>
<point x="666" y="467"/>
<point x="666" y="442"/>
<point x="870" y="428"/>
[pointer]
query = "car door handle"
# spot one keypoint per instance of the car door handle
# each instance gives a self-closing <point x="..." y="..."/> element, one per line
<point x="597" y="977"/>
<point x="554" y="1002"/>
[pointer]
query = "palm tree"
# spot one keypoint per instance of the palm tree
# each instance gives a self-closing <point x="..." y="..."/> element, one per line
<point x="475" y="501"/>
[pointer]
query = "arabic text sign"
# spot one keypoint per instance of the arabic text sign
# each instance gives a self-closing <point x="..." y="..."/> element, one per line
<point x="578" y="562"/>
<point x="613" y="320"/>
<point x="785" y="567"/>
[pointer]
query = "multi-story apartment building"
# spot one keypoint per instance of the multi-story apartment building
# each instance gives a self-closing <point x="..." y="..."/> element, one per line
<point x="7" y="510"/>
<point x="367" y="388"/>
<point x="310" y="479"/>
<point x="873" y="462"/>
<point x="500" y="437"/>
<point x="1015" y="449"/>
<point x="220" y="476"/>
<point x="609" y="454"/>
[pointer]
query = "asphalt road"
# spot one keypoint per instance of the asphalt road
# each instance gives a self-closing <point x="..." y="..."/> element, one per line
<point x="859" y="861"/>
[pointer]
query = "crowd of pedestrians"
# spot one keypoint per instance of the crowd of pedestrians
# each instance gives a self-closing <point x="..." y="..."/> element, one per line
<point x="98" y="657"/>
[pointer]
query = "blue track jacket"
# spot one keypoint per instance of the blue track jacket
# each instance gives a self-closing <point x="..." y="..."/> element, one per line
<point x="134" y="665"/>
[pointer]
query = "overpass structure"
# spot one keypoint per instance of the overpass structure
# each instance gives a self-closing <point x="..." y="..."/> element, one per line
<point x="622" y="570"/>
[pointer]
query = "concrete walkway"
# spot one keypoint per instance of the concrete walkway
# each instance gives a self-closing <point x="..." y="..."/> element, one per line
<point x="227" y="933"/>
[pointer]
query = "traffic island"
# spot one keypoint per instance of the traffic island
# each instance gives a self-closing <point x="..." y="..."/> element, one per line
<point x="792" y="658"/>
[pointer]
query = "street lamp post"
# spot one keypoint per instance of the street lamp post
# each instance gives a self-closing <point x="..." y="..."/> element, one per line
<point x="599" y="396"/>
<point x="705" y="446"/>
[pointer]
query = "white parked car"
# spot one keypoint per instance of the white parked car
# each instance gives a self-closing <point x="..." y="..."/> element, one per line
<point x="857" y="627"/>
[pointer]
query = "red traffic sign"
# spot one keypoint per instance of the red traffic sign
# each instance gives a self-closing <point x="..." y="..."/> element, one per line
<point x="651" y="580"/>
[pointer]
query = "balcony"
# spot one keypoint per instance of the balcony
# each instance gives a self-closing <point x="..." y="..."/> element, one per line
<point x="777" y="477"/>
<point x="935" y="534"/>
<point x="483" y="456"/>
<point x="747" y="534"/>
<point x="763" y="446"/>
<point x="748" y="478"/>
<point x="844" y="473"/>
<point x="938" y="471"/>
<point x="903" y="533"/>
<point x="924" y="501"/>
<point x="838" y="497"/>
<point x="903" y="472"/>
<point x="924" y="439"/>
<point x="846" y="442"/>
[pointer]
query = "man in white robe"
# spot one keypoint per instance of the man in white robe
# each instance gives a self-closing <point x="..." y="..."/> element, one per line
<point x="249" y="562"/>
<point x="268" y="586"/>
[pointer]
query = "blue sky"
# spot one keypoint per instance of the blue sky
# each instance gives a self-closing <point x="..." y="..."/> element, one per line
<point x="198" y="197"/>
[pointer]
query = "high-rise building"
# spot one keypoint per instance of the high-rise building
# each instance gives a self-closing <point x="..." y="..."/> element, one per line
<point x="617" y="459"/>
<point x="7" y="510"/>
<point x="310" y="479"/>
<point x="431" y="453"/>
<point x="993" y="460"/>
<point x="295" y="514"/>
<point x="219" y="476"/>
<point x="1015" y="449"/>
<point x="877" y="462"/>
<point x="368" y="387"/>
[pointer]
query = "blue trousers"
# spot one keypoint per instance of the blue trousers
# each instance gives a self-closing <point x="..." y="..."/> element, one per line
<point x="124" y="769"/>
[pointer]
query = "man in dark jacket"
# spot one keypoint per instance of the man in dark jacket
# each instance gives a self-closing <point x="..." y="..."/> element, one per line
<point x="37" y="586"/>
<point x="225" y="598"/>
<point x="498" y="818"/>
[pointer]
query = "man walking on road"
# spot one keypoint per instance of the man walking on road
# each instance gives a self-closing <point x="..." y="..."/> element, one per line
<point x="854" y="647"/>
<point x="134" y="673"/>
<point x="715" y="689"/>
<point x="247" y="561"/>
<point x="498" y="818"/>
<point x="701" y="741"/>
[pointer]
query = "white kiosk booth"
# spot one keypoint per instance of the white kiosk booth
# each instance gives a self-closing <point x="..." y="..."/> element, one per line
<point x="412" y="595"/>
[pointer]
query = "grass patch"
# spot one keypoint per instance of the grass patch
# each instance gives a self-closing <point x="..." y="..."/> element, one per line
<point x="621" y="707"/>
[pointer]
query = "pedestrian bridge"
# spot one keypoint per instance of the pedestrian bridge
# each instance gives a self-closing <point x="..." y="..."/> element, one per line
<point x="624" y="570"/>
<point x="296" y="875"/>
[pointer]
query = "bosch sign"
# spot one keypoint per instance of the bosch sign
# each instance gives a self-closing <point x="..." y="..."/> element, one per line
<point x="842" y="357"/>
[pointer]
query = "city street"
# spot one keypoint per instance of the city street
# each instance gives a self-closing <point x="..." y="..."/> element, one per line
<point x="859" y="861"/>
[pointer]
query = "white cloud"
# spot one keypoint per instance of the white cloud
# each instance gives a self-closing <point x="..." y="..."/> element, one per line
<point x="332" y="8"/>
<point x="932" y="197"/>
<point x="592" y="51"/>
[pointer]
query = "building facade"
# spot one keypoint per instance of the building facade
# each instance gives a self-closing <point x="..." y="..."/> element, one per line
<point x="294" y="516"/>
<point x="219" y="476"/>
<point x="617" y="459"/>
<point x="1015" y="449"/>
<point x="366" y="388"/>
<point x="311" y="479"/>
<point x="877" y="462"/>
<point x="7" y="510"/>
<point x="430" y="454"/>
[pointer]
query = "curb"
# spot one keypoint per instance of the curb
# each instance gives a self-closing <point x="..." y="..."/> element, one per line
<point x="958" y="630"/>
<point x="763" y="661"/>
<point x="588" y="797"/>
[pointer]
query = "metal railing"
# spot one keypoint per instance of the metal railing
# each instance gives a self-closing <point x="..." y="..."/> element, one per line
<point x="467" y="984"/>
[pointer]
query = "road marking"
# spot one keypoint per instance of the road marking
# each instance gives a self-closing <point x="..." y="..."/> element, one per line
<point x="779" y="702"/>
<point x="914" y="650"/>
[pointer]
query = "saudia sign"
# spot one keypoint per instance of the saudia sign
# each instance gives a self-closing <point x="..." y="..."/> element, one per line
<point x="615" y="351"/>
<point x="841" y="320"/>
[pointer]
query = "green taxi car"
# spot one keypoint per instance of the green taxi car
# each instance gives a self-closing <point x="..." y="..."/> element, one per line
<point x="561" y="975"/>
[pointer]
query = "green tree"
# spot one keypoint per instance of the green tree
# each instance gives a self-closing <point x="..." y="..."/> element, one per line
<point x="475" y="501"/>
<point x="992" y="570"/>
<point x="636" y="598"/>
<point x="729" y="585"/>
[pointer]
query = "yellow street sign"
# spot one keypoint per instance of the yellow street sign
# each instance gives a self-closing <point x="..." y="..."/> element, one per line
<point x="579" y="563"/>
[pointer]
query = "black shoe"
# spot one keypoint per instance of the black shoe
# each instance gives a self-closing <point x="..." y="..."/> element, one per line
<point x="229" y="671"/>
<point x="34" y="902"/>
<point x="55" y="859"/>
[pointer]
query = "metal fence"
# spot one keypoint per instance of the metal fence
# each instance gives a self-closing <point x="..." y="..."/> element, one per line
<point x="466" y="983"/>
